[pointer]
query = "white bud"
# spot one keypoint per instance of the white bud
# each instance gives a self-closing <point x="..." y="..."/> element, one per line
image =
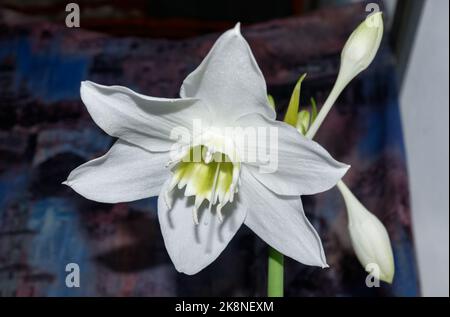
<point x="357" y="54"/>
<point x="369" y="237"/>
<point x="361" y="47"/>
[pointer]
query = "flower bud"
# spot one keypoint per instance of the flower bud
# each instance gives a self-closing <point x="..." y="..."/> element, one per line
<point x="357" y="54"/>
<point x="361" y="47"/>
<point x="303" y="121"/>
<point x="369" y="237"/>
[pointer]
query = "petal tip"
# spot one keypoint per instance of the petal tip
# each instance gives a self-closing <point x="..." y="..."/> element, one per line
<point x="344" y="169"/>
<point x="90" y="84"/>
<point x="186" y="271"/>
<point x="237" y="28"/>
<point x="85" y="84"/>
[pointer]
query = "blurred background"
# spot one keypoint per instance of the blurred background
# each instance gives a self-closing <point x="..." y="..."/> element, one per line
<point x="390" y="124"/>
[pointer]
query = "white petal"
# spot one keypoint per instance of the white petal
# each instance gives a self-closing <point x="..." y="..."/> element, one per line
<point x="193" y="247"/>
<point x="125" y="173"/>
<point x="281" y="222"/>
<point x="229" y="80"/>
<point x="138" y="119"/>
<point x="300" y="166"/>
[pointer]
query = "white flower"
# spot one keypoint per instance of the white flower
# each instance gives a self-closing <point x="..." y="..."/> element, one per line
<point x="226" y="90"/>
<point x="369" y="237"/>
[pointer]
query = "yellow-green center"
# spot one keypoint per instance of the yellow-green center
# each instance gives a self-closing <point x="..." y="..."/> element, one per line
<point x="207" y="176"/>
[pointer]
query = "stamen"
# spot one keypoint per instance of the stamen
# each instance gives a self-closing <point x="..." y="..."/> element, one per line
<point x="231" y="190"/>
<point x="168" y="164"/>
<point x="168" y="199"/>
<point x="177" y="157"/>
<point x="209" y="155"/>
<point x="236" y="172"/>
<point x="171" y="163"/>
<point x="173" y="184"/>
<point x="195" y="215"/>
<point x="212" y="198"/>
<point x="219" y="212"/>
<point x="216" y="197"/>
<point x="198" y="201"/>
<point x="189" y="190"/>
<point x="190" y="176"/>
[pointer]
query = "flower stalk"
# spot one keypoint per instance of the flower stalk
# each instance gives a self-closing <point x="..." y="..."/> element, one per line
<point x="369" y="237"/>
<point x="275" y="282"/>
<point x="275" y="273"/>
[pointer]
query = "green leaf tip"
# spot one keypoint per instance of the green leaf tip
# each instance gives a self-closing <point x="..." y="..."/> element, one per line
<point x="271" y="101"/>
<point x="303" y="121"/>
<point x="292" y="111"/>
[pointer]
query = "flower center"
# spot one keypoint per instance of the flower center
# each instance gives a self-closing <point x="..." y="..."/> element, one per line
<point x="207" y="175"/>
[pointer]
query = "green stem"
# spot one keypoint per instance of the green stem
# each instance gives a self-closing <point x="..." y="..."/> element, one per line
<point x="339" y="85"/>
<point x="275" y="275"/>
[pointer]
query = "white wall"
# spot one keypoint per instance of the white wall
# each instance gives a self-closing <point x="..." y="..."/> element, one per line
<point x="425" y="114"/>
